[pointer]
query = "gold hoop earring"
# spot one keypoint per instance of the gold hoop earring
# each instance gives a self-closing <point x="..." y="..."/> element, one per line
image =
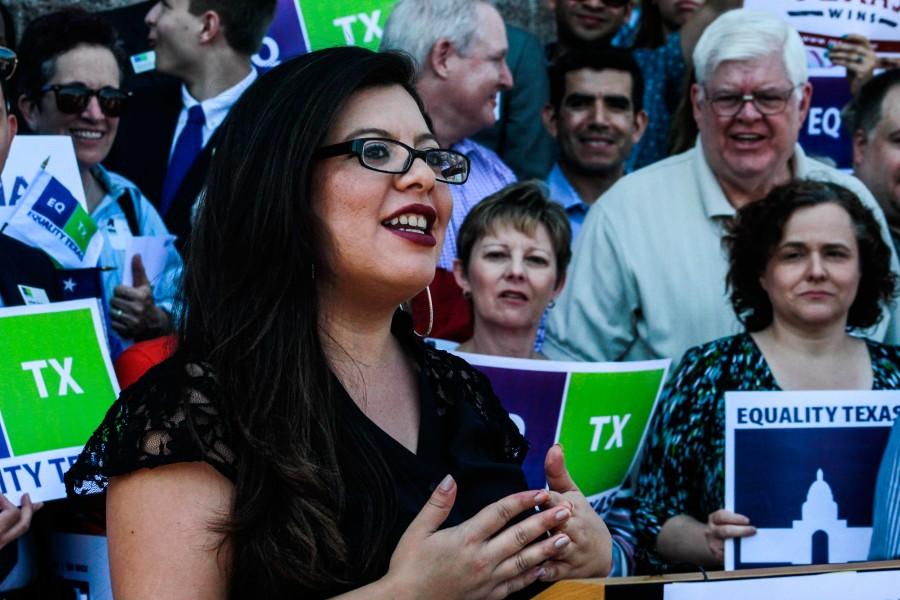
<point x="430" y="315"/>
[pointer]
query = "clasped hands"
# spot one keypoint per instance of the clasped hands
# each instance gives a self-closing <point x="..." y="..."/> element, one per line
<point x="483" y="558"/>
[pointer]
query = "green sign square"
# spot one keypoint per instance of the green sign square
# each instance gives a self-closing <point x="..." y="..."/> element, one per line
<point x="603" y="421"/>
<point x="56" y="383"/>
<point x="80" y="227"/>
<point x="345" y="22"/>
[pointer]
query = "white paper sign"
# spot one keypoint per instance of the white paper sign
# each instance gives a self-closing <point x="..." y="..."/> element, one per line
<point x="822" y="21"/>
<point x="154" y="250"/>
<point x="26" y="155"/>
<point x="802" y="467"/>
<point x="826" y="586"/>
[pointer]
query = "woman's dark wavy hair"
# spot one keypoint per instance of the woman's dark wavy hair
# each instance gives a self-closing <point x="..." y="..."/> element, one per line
<point x="758" y="229"/>
<point x="250" y="312"/>
<point x="53" y="34"/>
<point x="651" y="31"/>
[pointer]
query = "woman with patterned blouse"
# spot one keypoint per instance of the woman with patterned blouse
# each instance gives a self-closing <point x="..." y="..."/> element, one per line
<point x="807" y="264"/>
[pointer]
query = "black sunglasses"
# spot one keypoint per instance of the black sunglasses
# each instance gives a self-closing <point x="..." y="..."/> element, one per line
<point x="8" y="62"/>
<point x="73" y="98"/>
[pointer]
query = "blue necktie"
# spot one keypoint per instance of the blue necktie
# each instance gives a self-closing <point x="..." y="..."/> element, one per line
<point x="187" y="147"/>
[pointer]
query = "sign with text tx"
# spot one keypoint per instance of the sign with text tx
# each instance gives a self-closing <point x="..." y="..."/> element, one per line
<point x="300" y="26"/>
<point x="57" y="384"/>
<point x="802" y="467"/>
<point x="599" y="412"/>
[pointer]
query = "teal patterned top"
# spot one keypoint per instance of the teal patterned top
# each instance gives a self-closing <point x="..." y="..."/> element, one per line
<point x="683" y="469"/>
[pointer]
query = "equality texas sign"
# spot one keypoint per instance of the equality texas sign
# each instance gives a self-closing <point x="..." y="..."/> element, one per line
<point x="300" y="26"/>
<point x="802" y="466"/>
<point x="56" y="384"/>
<point x="599" y="412"/>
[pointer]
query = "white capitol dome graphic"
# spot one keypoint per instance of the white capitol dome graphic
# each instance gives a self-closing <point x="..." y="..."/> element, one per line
<point x="818" y="537"/>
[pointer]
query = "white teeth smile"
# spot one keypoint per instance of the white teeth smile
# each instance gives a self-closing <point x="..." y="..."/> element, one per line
<point x="410" y="222"/>
<point x="87" y="134"/>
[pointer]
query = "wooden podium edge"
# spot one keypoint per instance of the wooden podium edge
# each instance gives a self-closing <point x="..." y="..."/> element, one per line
<point x="593" y="589"/>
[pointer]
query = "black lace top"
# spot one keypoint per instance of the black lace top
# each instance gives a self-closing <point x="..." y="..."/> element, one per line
<point x="463" y="431"/>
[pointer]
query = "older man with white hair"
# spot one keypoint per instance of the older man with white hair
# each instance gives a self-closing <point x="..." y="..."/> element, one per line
<point x="459" y="47"/>
<point x="648" y="275"/>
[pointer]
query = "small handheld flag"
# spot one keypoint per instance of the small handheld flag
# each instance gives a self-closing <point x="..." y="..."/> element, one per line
<point x="49" y="217"/>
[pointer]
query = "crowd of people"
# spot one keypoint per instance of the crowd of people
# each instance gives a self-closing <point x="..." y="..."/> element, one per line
<point x="634" y="190"/>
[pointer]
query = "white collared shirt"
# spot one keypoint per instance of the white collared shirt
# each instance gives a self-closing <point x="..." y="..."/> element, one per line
<point x="215" y="109"/>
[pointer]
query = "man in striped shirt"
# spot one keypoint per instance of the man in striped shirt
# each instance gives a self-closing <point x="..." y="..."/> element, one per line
<point x="459" y="47"/>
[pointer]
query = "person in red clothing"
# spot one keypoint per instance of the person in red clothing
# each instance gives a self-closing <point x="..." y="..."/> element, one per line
<point x="141" y="357"/>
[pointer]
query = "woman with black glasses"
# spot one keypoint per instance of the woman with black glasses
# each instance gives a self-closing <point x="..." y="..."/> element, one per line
<point x="303" y="441"/>
<point x="70" y="84"/>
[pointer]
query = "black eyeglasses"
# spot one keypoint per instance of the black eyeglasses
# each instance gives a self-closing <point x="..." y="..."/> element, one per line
<point x="74" y="98"/>
<point x="8" y="62"/>
<point x="768" y="102"/>
<point x="390" y="156"/>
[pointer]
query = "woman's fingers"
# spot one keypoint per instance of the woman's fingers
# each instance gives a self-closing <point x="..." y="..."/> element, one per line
<point x="14" y="521"/>
<point x="526" y="567"/>
<point x="494" y="517"/>
<point x="558" y="478"/>
<point x="725" y="524"/>
<point x="733" y="531"/>
<point x="512" y="540"/>
<point x="725" y="517"/>
<point x="435" y="511"/>
<point x="533" y="556"/>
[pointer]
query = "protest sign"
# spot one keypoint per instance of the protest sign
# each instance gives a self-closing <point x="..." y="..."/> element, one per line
<point x="802" y="466"/>
<point x="27" y="154"/>
<point x="58" y="383"/>
<point x="823" y="133"/>
<point x="300" y="26"/>
<point x="822" y="586"/>
<point x="599" y="412"/>
<point x="821" y="22"/>
<point x="49" y="217"/>
<point x="81" y="563"/>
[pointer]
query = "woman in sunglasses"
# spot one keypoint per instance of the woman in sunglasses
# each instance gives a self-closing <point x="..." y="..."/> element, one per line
<point x="304" y="441"/>
<point x="70" y="83"/>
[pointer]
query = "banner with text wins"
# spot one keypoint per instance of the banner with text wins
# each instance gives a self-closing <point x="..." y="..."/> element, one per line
<point x="599" y="412"/>
<point x="57" y="384"/>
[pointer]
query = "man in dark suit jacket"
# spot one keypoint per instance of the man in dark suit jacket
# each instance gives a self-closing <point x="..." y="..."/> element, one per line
<point x="210" y="62"/>
<point x="20" y="264"/>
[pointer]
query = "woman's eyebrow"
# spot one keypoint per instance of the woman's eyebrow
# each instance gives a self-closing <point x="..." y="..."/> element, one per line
<point x="368" y="131"/>
<point x="426" y="137"/>
<point x="383" y="133"/>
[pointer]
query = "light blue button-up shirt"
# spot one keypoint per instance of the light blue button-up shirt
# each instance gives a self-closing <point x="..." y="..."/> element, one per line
<point x="561" y="191"/>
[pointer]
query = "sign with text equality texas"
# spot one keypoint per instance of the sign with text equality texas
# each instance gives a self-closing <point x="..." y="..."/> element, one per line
<point x="802" y="467"/>
<point x="599" y="412"/>
<point x="56" y="384"/>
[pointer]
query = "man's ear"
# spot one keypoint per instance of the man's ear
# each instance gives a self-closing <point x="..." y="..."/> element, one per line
<point x="30" y="112"/>
<point x="640" y="126"/>
<point x="550" y="118"/>
<point x="440" y="56"/>
<point x="695" y="102"/>
<point x="805" y="101"/>
<point x="210" y="26"/>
